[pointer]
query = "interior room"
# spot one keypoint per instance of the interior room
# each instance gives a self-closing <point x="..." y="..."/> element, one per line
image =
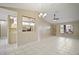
<point x="39" y="28"/>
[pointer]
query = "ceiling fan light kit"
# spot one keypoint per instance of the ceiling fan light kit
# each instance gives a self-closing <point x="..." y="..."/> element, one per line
<point x="42" y="15"/>
<point x="55" y="18"/>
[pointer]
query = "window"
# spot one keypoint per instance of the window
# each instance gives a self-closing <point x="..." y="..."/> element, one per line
<point x="66" y="28"/>
<point x="69" y="29"/>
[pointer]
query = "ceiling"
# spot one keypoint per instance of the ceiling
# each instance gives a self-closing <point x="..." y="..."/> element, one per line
<point x="64" y="11"/>
<point x="41" y="7"/>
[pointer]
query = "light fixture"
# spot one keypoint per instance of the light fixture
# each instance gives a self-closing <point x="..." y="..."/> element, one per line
<point x="42" y="15"/>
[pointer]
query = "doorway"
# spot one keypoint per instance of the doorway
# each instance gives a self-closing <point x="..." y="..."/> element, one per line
<point x="3" y="33"/>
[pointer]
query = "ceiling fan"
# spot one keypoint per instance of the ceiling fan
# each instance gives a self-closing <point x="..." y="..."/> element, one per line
<point x="55" y="18"/>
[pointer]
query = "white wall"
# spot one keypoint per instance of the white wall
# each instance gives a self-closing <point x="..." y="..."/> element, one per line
<point x="4" y="17"/>
<point x="75" y="29"/>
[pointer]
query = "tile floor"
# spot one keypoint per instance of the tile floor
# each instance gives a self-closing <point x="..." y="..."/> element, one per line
<point x="48" y="46"/>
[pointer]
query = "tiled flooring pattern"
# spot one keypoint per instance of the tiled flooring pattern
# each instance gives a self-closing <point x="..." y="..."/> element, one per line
<point x="48" y="46"/>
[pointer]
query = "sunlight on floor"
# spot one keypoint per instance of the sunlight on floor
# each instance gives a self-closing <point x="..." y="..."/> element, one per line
<point x="51" y="45"/>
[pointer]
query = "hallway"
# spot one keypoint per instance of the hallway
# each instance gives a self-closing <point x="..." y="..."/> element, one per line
<point x="47" y="46"/>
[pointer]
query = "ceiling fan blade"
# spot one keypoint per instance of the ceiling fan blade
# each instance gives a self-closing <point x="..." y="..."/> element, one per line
<point x="55" y="18"/>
